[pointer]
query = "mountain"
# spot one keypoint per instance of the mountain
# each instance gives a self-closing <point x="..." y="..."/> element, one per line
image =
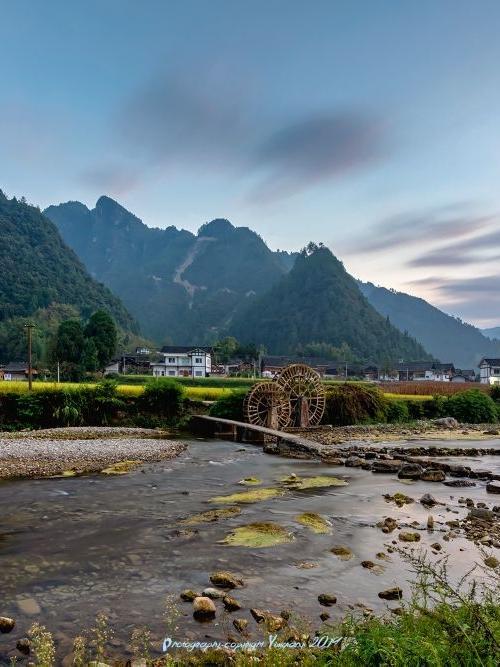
<point x="319" y="302"/>
<point x="445" y="337"/>
<point x="494" y="332"/>
<point x="182" y="288"/>
<point x="42" y="275"/>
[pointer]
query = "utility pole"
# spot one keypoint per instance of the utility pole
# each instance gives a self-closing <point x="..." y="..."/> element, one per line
<point x="30" y="326"/>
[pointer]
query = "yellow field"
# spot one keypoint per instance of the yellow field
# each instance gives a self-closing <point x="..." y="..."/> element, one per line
<point x="412" y="397"/>
<point x="196" y="393"/>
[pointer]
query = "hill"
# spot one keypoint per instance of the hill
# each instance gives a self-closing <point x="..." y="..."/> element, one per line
<point x="494" y="332"/>
<point x="183" y="288"/>
<point x="40" y="273"/>
<point x="319" y="302"/>
<point x="447" y="338"/>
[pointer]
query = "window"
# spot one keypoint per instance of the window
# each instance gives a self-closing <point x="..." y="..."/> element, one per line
<point x="171" y="372"/>
<point x="496" y="371"/>
<point x="198" y="360"/>
<point x="198" y="373"/>
<point x="171" y="360"/>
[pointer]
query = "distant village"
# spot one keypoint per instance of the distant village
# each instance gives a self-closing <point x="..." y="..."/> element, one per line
<point x="201" y="362"/>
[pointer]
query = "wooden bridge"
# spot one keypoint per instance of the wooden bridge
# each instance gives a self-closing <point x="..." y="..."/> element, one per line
<point x="242" y="432"/>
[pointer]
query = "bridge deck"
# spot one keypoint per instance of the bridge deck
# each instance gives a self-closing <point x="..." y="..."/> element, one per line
<point x="280" y="435"/>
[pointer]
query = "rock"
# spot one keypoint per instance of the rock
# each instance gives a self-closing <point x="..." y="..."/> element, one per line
<point x="428" y="500"/>
<point x="481" y="513"/>
<point x="230" y="603"/>
<point x="333" y="460"/>
<point x="326" y="599"/>
<point x="492" y="431"/>
<point x="399" y="498"/>
<point x="397" y="611"/>
<point x="410" y="471"/>
<point x="203" y="608"/>
<point x="344" y="553"/>
<point x="23" y="645"/>
<point x="386" y="466"/>
<point x="273" y="623"/>
<point x="391" y="594"/>
<point x="6" y="624"/>
<point x="354" y="462"/>
<point x="430" y="522"/>
<point x="436" y="546"/>
<point x="491" y="561"/>
<point x="368" y="564"/>
<point x="407" y="536"/>
<point x="446" y="422"/>
<point x="432" y="475"/>
<point x="324" y="616"/>
<point x="241" y="624"/>
<point x="224" y="579"/>
<point x="493" y="487"/>
<point x="188" y="595"/>
<point x="388" y="525"/>
<point x="29" y="606"/>
<point x="460" y="483"/>
<point x="212" y="593"/>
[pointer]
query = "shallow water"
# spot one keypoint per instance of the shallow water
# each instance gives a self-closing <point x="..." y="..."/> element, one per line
<point x="80" y="545"/>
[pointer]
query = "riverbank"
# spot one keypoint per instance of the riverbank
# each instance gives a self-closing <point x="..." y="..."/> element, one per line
<point x="77" y="450"/>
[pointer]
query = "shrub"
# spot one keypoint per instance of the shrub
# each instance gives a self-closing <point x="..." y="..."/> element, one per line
<point x="436" y="407"/>
<point x="397" y="411"/>
<point x="354" y="404"/>
<point x="163" y="398"/>
<point x="495" y="393"/>
<point x="472" y="407"/>
<point x="229" y="406"/>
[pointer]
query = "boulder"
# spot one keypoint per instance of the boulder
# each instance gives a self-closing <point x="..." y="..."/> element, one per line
<point x="327" y="599"/>
<point x="436" y="546"/>
<point x="6" y="624"/>
<point x="354" y="462"/>
<point x="203" y="608"/>
<point x="273" y="623"/>
<point x="481" y="513"/>
<point x="230" y="604"/>
<point x="408" y="536"/>
<point x="410" y="471"/>
<point x="386" y="466"/>
<point x="368" y="564"/>
<point x="446" y="422"/>
<point x="428" y="500"/>
<point x="433" y="475"/>
<point x="324" y="616"/>
<point x="460" y="484"/>
<point x="224" y="579"/>
<point x="241" y="624"/>
<point x="493" y="487"/>
<point x="24" y="646"/>
<point x="391" y="594"/>
<point x="212" y="593"/>
<point x="188" y="595"/>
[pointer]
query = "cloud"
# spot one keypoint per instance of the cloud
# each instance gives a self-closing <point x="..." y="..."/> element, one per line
<point x="211" y="121"/>
<point x="111" y="178"/>
<point x="462" y="253"/>
<point x="420" y="228"/>
<point x="316" y="148"/>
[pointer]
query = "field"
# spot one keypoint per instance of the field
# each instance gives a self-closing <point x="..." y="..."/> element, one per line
<point x="430" y="388"/>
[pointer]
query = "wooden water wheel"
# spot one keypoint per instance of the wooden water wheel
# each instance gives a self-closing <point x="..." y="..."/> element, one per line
<point x="307" y="396"/>
<point x="266" y="404"/>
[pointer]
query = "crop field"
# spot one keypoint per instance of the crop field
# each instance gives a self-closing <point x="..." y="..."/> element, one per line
<point x="421" y="388"/>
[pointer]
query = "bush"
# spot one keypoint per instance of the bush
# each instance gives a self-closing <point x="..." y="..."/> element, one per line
<point x="163" y="398"/>
<point x="495" y="393"/>
<point x="348" y="404"/>
<point x="437" y="407"/>
<point x="397" y="411"/>
<point x="472" y="407"/>
<point x="229" y="406"/>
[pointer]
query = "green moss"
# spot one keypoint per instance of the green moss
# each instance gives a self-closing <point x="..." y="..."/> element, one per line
<point x="344" y="553"/>
<point x="314" y="521"/>
<point x="121" y="468"/>
<point x="258" y="535"/>
<point x="250" y="481"/>
<point x="319" y="481"/>
<point x="253" y="496"/>
<point x="399" y="498"/>
<point x="211" y="515"/>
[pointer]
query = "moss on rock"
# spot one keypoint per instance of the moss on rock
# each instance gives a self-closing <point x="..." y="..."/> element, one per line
<point x="258" y="535"/>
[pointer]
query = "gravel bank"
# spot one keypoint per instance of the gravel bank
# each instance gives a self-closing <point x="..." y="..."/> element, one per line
<point x="48" y="453"/>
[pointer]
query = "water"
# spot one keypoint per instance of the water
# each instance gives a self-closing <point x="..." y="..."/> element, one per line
<point x="82" y="545"/>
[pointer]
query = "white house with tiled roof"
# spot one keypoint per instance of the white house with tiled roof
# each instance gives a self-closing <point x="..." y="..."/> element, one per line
<point x="184" y="361"/>
<point x="489" y="371"/>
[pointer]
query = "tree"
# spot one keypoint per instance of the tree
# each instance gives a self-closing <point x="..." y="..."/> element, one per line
<point x="90" y="361"/>
<point x="69" y="342"/>
<point x="101" y="329"/>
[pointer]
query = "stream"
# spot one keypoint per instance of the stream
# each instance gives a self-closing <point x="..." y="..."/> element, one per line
<point x="70" y="548"/>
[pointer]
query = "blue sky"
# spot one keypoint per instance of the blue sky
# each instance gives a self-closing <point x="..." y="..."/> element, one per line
<point x="372" y="126"/>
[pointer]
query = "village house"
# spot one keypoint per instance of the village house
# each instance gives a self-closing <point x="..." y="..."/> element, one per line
<point x="272" y="365"/>
<point x="425" y="370"/>
<point x="489" y="371"/>
<point x="183" y="361"/>
<point x="16" y="370"/>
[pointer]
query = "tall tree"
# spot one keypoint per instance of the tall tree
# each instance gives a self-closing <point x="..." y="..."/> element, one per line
<point x="101" y="329"/>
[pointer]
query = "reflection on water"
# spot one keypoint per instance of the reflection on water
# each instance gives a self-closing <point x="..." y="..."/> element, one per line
<point x="73" y="547"/>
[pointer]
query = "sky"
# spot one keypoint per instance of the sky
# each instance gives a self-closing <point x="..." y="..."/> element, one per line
<point x="370" y="125"/>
